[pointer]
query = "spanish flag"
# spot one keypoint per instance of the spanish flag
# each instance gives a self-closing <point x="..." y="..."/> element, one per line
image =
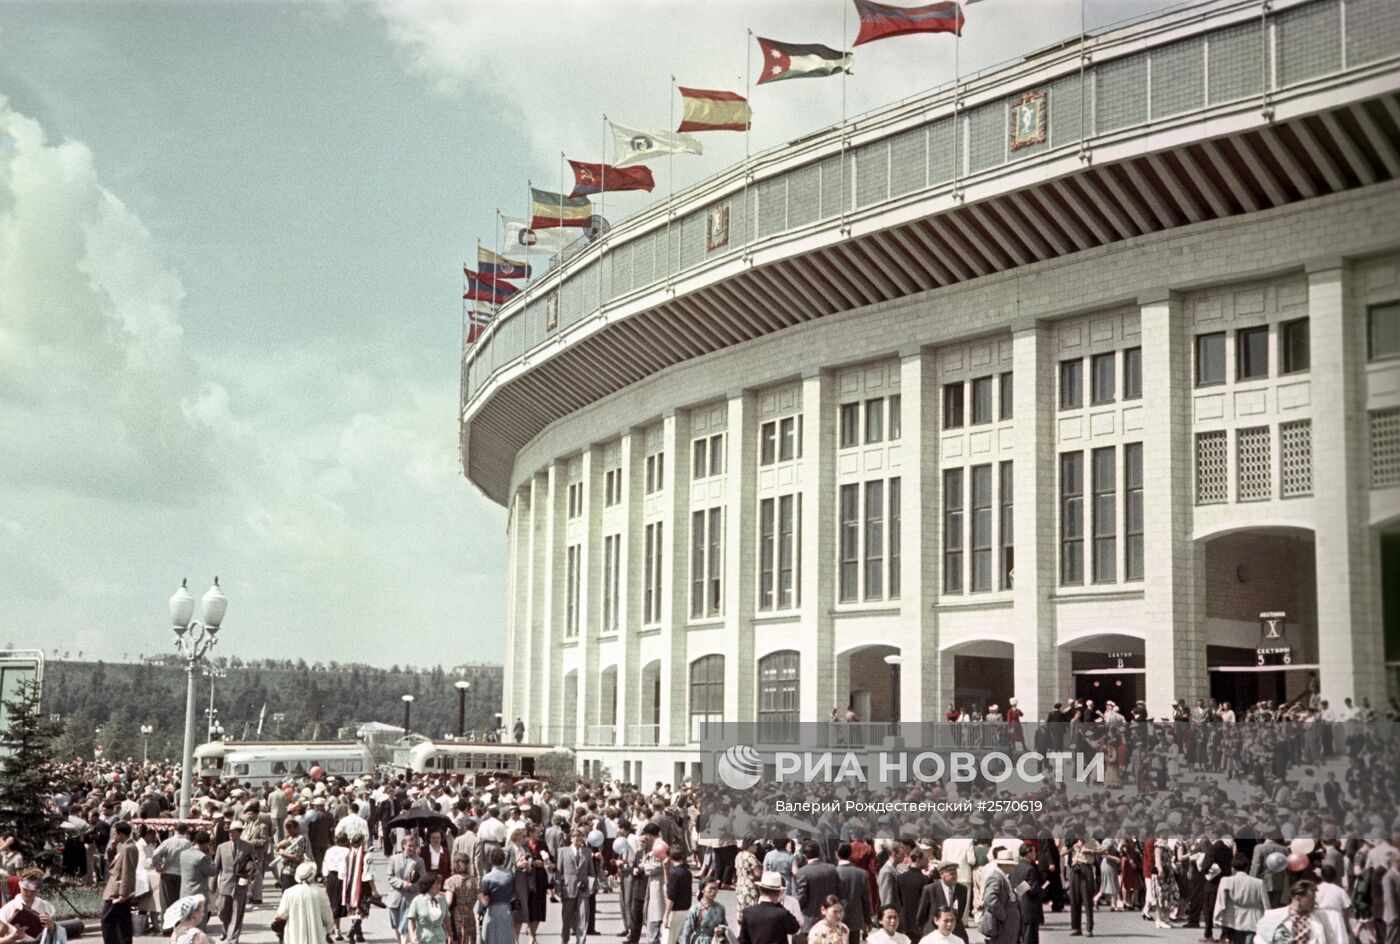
<point x="555" y="209"/>
<point x="710" y="110"/>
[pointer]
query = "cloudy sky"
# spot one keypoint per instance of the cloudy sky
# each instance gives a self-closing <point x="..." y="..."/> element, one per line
<point x="230" y="248"/>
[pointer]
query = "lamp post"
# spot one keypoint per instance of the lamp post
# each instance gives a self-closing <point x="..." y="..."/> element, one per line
<point x="193" y="640"/>
<point x="461" y="685"/>
<point x="213" y="675"/>
<point x="407" y="712"/>
<point x="277" y="718"/>
<point x="894" y="660"/>
<point x="146" y="730"/>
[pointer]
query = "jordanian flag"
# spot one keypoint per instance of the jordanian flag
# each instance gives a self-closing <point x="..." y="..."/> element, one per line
<point x="711" y="110"/>
<point x="492" y="266"/>
<point x="798" y="61"/>
<point x="476" y="324"/>
<point x="882" y="20"/>
<point x="479" y="289"/>
<point x="554" y="209"/>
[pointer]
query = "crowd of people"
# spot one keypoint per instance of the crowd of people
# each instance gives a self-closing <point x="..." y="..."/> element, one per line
<point x="1283" y="829"/>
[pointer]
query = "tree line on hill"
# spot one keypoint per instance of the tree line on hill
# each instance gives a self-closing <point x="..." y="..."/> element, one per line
<point x="106" y="703"/>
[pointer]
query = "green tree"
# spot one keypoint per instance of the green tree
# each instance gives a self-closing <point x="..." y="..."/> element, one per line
<point x="120" y="738"/>
<point x="24" y="808"/>
<point x="77" y="739"/>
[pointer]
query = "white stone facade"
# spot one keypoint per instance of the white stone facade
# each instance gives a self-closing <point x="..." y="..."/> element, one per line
<point x="1282" y="516"/>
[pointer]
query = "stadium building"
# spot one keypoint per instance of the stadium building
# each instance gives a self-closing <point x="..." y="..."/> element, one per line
<point x="1082" y="378"/>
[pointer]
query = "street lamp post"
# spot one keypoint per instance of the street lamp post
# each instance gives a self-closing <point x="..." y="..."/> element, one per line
<point x="894" y="660"/>
<point x="213" y="675"/>
<point x="277" y="718"/>
<point x="461" y="685"/>
<point x="407" y="712"/>
<point x="193" y="640"/>
<point x="146" y="730"/>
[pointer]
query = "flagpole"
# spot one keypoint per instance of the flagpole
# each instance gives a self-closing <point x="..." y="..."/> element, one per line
<point x="845" y="172"/>
<point x="748" y="124"/>
<point x="1083" y="93"/>
<point x="603" y="209"/>
<point x="670" y="178"/>
<point x="530" y="223"/>
<point x="957" y="101"/>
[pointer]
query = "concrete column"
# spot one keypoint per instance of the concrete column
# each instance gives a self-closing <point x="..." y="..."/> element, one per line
<point x="562" y="719"/>
<point x="1035" y="484"/>
<point x="1349" y="631"/>
<point x="920" y="572"/>
<point x="675" y="592"/>
<point x="741" y="546"/>
<point x="590" y="581"/>
<point x="817" y="689"/>
<point x="514" y="670"/>
<point x="539" y="681"/>
<point x="1174" y="586"/>
<point x="631" y="557"/>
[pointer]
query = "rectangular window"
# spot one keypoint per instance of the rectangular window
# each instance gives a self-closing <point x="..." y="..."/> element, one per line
<point x="1210" y="358"/>
<point x="1105" y="515"/>
<point x="1296" y="345"/>
<point x="1072" y="384"/>
<point x="716" y="562"/>
<point x="850" y="542"/>
<point x="656" y="472"/>
<point x="651" y="574"/>
<point x="575" y="499"/>
<point x="1132" y="373"/>
<point x="1072" y="518"/>
<point x="1004" y="396"/>
<point x="612" y="487"/>
<point x="700" y="467"/>
<point x="789" y="550"/>
<point x="874" y="540"/>
<point x="952" y="530"/>
<point x="981" y="528"/>
<point x="1132" y="510"/>
<point x="1383" y="331"/>
<point x="612" y="558"/>
<point x="1008" y="526"/>
<point x="789" y="438"/>
<point x="767" y="552"/>
<point x="981" y="400"/>
<point x="850" y="425"/>
<point x="893" y="528"/>
<point x="1102" y="379"/>
<point x="717" y="454"/>
<point x="571" y="590"/>
<point x="768" y="443"/>
<point x="875" y="420"/>
<point x="1252" y="353"/>
<point x="953" y="413"/>
<point x="895" y="424"/>
<point x="697" y="565"/>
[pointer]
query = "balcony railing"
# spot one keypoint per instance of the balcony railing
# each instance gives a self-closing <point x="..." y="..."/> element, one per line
<point x="600" y="735"/>
<point x="643" y="735"/>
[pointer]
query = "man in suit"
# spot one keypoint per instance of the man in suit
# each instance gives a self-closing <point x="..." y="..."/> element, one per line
<point x="319" y="828"/>
<point x="885" y="878"/>
<point x="855" y="891"/>
<point x="909" y="888"/>
<point x="768" y="922"/>
<point x="1048" y="852"/>
<point x="1083" y="887"/>
<point x="166" y="861"/>
<point x="121" y="886"/>
<point x="406" y="870"/>
<point x="1026" y="886"/>
<point x="1274" y="882"/>
<point x="1001" y="916"/>
<point x="575" y="881"/>
<point x="815" y="881"/>
<point x="943" y="893"/>
<point x="1240" y="901"/>
<point x="197" y="869"/>
<point x="233" y="868"/>
<point x="633" y="882"/>
<point x="277" y="809"/>
<point x="1218" y="866"/>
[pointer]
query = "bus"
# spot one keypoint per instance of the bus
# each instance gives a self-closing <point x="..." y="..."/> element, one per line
<point x="478" y="762"/>
<point x="263" y="762"/>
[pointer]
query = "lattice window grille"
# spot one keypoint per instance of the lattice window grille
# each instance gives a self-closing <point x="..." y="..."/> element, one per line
<point x="1308" y="42"/>
<point x="1295" y="458"/>
<point x="1212" y="476"/>
<point x="1235" y="54"/>
<point x="1252" y="464"/>
<point x="1385" y="448"/>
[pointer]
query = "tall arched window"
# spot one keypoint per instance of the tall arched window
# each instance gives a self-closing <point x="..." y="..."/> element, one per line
<point x="778" y="676"/>
<point x="706" y="694"/>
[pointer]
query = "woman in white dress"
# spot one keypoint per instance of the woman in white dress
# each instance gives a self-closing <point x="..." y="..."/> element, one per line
<point x="1334" y="905"/>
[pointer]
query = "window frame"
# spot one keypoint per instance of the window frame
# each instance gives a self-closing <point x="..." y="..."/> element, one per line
<point x="1071" y="519"/>
<point x="983" y="390"/>
<point x="1287" y="347"/>
<point x="1243" y="337"/>
<point x="1391" y="309"/>
<point x="1104" y="488"/>
<point x="1132" y="373"/>
<point x="1197" y="350"/>
<point x="954" y="398"/>
<point x="954" y="540"/>
<point x="848" y="425"/>
<point x="1109" y="362"/>
<point x="1073" y="366"/>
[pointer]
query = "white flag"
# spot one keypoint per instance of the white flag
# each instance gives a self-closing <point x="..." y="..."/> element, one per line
<point x="631" y="146"/>
<point x="521" y="238"/>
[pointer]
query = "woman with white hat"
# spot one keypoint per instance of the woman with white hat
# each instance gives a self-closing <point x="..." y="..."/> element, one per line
<point x="183" y="920"/>
<point x="305" y="909"/>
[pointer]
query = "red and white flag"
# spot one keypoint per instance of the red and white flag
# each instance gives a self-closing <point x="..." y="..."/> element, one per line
<point x="800" y="61"/>
<point x="711" y="110"/>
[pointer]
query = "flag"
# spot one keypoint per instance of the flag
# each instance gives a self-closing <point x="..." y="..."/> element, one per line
<point x="476" y="324"/>
<point x="261" y="715"/>
<point x="492" y="267"/>
<point x="712" y="110"/>
<point x="521" y="236"/>
<point x="599" y="178"/>
<point x="797" y="61"/>
<point x="484" y="291"/>
<point x="555" y="209"/>
<point x="881" y="20"/>
<point x="632" y="146"/>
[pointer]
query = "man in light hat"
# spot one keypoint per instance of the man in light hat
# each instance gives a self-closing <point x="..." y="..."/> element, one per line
<point x="1001" y="916"/>
<point x="233" y="870"/>
<point x="767" y="921"/>
<point x="319" y="828"/>
<point x="946" y="892"/>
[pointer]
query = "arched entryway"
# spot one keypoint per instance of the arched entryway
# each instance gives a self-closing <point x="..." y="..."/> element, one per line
<point x="1106" y="667"/>
<point x="979" y="673"/>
